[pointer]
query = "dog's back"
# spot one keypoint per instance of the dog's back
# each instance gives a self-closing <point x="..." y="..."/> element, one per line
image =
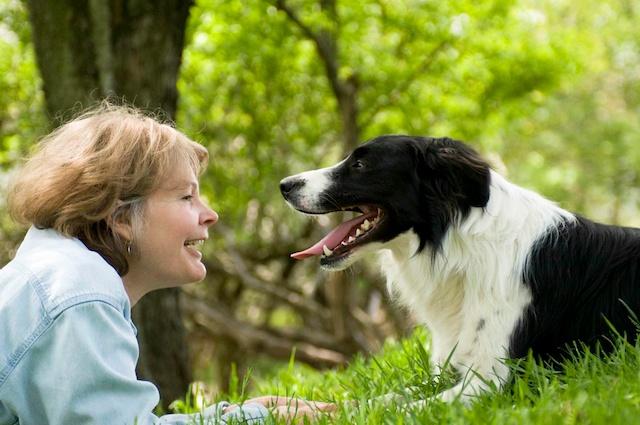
<point x="585" y="282"/>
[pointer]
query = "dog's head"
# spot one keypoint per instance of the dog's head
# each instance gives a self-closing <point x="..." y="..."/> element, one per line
<point x="396" y="183"/>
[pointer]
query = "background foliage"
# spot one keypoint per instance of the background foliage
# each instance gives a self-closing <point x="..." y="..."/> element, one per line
<point x="548" y="90"/>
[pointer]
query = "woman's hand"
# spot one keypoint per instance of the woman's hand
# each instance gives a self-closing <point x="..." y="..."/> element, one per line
<point x="294" y="409"/>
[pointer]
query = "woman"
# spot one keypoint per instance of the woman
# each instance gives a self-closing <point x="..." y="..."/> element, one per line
<point x="115" y="212"/>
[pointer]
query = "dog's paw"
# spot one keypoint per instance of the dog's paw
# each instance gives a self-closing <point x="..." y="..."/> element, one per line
<point x="451" y="394"/>
<point x="463" y="392"/>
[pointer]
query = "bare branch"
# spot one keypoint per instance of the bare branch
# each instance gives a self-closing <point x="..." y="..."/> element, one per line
<point x="284" y="294"/>
<point x="311" y="336"/>
<point x="219" y="320"/>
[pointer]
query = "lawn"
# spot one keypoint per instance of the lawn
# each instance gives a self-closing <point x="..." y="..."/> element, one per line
<point x="589" y="389"/>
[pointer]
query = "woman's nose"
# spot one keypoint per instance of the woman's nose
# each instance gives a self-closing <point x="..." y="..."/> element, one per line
<point x="209" y="217"/>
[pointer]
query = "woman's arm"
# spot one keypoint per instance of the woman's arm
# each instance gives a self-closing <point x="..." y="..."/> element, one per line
<point x="82" y="370"/>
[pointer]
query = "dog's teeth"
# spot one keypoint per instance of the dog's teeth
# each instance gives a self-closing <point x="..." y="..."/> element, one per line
<point x="366" y="225"/>
<point x="326" y="250"/>
<point x="344" y="243"/>
<point x="351" y="239"/>
<point x="358" y="232"/>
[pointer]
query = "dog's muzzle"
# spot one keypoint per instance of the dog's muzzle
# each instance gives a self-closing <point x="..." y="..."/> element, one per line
<point x="289" y="185"/>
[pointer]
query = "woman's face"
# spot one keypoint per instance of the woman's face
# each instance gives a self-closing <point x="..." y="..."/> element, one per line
<point x="176" y="223"/>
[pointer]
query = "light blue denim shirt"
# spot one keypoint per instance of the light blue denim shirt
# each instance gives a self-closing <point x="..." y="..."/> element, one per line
<point x="68" y="348"/>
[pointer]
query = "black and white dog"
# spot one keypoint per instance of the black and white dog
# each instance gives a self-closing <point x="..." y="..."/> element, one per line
<point x="492" y="269"/>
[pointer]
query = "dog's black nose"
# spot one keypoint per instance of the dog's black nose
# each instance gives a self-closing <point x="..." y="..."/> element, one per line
<point x="289" y="184"/>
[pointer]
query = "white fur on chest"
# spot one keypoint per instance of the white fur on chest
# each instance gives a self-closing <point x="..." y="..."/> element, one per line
<point x="470" y="295"/>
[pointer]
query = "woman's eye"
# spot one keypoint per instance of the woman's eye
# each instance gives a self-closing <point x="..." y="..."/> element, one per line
<point x="187" y="197"/>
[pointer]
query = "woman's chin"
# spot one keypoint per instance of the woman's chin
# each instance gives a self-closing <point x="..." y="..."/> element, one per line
<point x="197" y="272"/>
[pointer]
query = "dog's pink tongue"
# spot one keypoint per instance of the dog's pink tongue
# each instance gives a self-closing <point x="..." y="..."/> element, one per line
<point x="331" y="240"/>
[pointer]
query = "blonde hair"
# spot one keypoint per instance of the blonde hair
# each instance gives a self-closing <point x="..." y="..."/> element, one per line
<point x="96" y="170"/>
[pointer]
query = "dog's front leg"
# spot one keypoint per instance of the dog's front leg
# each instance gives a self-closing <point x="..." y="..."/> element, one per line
<point x="464" y="391"/>
<point x="476" y="381"/>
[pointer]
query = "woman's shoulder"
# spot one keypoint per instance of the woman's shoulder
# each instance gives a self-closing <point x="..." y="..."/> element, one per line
<point x="62" y="272"/>
<point x="51" y="275"/>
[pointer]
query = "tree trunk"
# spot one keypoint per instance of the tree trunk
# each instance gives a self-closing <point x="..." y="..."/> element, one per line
<point x="62" y="36"/>
<point x="132" y="49"/>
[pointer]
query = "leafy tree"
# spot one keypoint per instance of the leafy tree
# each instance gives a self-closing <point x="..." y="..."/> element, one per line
<point x="296" y="84"/>
<point x="579" y="144"/>
<point x="21" y="117"/>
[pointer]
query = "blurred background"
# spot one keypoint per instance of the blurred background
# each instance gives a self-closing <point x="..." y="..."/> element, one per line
<point x="547" y="90"/>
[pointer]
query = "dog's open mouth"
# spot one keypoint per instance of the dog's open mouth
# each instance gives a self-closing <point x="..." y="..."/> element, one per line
<point x="348" y="235"/>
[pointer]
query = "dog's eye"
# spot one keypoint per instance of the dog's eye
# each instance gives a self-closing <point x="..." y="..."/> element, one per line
<point x="357" y="164"/>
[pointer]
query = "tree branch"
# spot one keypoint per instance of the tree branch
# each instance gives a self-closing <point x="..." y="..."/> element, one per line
<point x="216" y="318"/>
<point x="325" y="45"/>
<point x="401" y="88"/>
<point x="240" y="269"/>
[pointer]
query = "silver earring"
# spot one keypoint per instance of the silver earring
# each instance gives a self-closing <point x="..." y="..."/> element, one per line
<point x="128" y="245"/>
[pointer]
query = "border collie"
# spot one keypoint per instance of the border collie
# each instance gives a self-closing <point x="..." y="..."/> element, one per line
<point x="493" y="270"/>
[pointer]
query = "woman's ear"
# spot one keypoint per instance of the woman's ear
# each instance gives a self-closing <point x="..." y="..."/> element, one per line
<point x="122" y="229"/>
<point x="121" y="224"/>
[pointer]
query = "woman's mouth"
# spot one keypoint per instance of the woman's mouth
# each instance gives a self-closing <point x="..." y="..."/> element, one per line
<point x="194" y="246"/>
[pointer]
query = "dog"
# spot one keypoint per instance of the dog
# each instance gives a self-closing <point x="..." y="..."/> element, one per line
<point x="493" y="270"/>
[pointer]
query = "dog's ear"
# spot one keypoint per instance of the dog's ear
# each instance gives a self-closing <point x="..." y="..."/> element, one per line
<point x="469" y="172"/>
<point x="456" y="172"/>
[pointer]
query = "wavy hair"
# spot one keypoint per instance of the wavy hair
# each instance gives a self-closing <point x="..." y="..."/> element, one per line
<point x="96" y="170"/>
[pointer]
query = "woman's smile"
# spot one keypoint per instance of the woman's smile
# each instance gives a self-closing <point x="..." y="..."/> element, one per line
<point x="193" y="247"/>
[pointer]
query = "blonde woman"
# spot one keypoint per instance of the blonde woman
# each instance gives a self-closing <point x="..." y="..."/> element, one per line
<point x="115" y="212"/>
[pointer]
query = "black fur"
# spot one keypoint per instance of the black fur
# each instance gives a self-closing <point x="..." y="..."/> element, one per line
<point x="585" y="279"/>
<point x="422" y="184"/>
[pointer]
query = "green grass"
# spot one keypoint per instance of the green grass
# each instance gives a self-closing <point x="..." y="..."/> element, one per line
<point x="587" y="390"/>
